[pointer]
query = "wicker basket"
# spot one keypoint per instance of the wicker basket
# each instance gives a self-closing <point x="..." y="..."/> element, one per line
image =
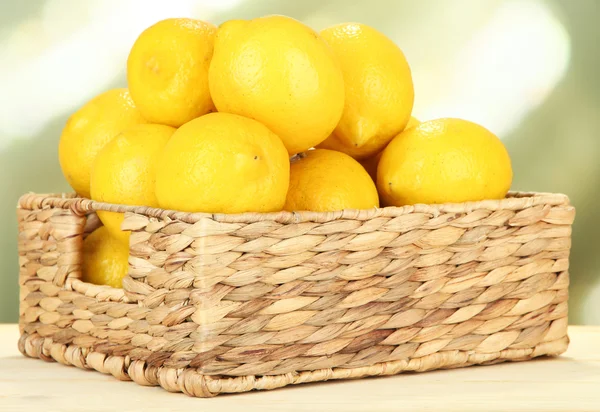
<point x="230" y="303"/>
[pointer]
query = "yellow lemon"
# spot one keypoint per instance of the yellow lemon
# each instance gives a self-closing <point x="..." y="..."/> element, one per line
<point x="89" y="129"/>
<point x="167" y="71"/>
<point x="378" y="88"/>
<point x="370" y="163"/>
<point x="280" y="72"/>
<point x="223" y="163"/>
<point x="104" y="259"/>
<point x="124" y="172"/>
<point x="412" y="122"/>
<point x="325" y="180"/>
<point x="444" y="161"/>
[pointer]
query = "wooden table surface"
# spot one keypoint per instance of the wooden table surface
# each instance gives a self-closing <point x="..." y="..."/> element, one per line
<point x="568" y="383"/>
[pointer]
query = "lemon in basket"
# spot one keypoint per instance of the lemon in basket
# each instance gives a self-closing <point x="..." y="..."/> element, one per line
<point x="444" y="161"/>
<point x="167" y="70"/>
<point x="124" y="172"/>
<point x="280" y="72"/>
<point x="370" y="163"/>
<point x="223" y="163"/>
<point x="325" y="180"/>
<point x="89" y="129"/>
<point x="105" y="259"/>
<point x="378" y="88"/>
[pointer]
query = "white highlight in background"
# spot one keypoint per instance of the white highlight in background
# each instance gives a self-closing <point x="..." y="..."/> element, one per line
<point x="505" y="71"/>
<point x="52" y="64"/>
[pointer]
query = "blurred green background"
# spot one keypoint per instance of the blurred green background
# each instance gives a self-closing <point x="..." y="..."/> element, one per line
<point x="525" y="69"/>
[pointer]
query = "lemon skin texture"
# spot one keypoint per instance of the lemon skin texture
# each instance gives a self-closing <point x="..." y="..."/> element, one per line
<point x="370" y="163"/>
<point x="444" y="161"/>
<point x="223" y="163"/>
<point x="379" y="93"/>
<point x="105" y="259"/>
<point x="125" y="172"/>
<point x="167" y="71"/>
<point x="280" y="72"/>
<point x="89" y="129"/>
<point x="324" y="180"/>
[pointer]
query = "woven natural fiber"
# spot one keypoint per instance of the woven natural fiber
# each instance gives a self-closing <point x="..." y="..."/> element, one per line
<point x="218" y="303"/>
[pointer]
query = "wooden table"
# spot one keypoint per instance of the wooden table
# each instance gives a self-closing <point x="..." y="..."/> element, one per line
<point x="567" y="383"/>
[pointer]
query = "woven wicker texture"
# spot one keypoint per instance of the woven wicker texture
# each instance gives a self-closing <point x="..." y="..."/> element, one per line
<point x="231" y="303"/>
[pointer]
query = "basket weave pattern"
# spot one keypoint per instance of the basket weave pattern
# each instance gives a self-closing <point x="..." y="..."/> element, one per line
<point x="230" y="303"/>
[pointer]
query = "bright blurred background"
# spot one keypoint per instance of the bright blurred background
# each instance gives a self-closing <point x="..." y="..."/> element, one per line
<point x="525" y="69"/>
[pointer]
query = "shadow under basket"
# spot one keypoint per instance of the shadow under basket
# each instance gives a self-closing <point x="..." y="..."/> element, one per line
<point x="218" y="303"/>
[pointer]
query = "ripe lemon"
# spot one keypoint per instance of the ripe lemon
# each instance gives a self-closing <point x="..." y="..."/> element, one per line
<point x="370" y="163"/>
<point x="378" y="88"/>
<point x="104" y="259"/>
<point x="444" y="161"/>
<point x="325" y="180"/>
<point x="412" y="122"/>
<point x="167" y="71"/>
<point x="124" y="172"/>
<point x="89" y="129"/>
<point x="223" y="163"/>
<point x="280" y="72"/>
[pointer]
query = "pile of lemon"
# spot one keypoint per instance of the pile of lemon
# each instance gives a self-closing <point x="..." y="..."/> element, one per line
<point x="262" y="116"/>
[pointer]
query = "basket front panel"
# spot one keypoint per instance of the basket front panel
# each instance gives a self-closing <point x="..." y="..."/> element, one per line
<point x="267" y="298"/>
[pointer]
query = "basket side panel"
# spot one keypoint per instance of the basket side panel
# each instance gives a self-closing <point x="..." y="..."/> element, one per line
<point x="61" y="317"/>
<point x="262" y="298"/>
<point x="50" y="242"/>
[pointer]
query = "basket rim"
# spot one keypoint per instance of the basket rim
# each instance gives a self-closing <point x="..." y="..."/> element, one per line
<point x="82" y="206"/>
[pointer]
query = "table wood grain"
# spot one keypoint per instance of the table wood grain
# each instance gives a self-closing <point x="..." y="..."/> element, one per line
<point x="567" y="383"/>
